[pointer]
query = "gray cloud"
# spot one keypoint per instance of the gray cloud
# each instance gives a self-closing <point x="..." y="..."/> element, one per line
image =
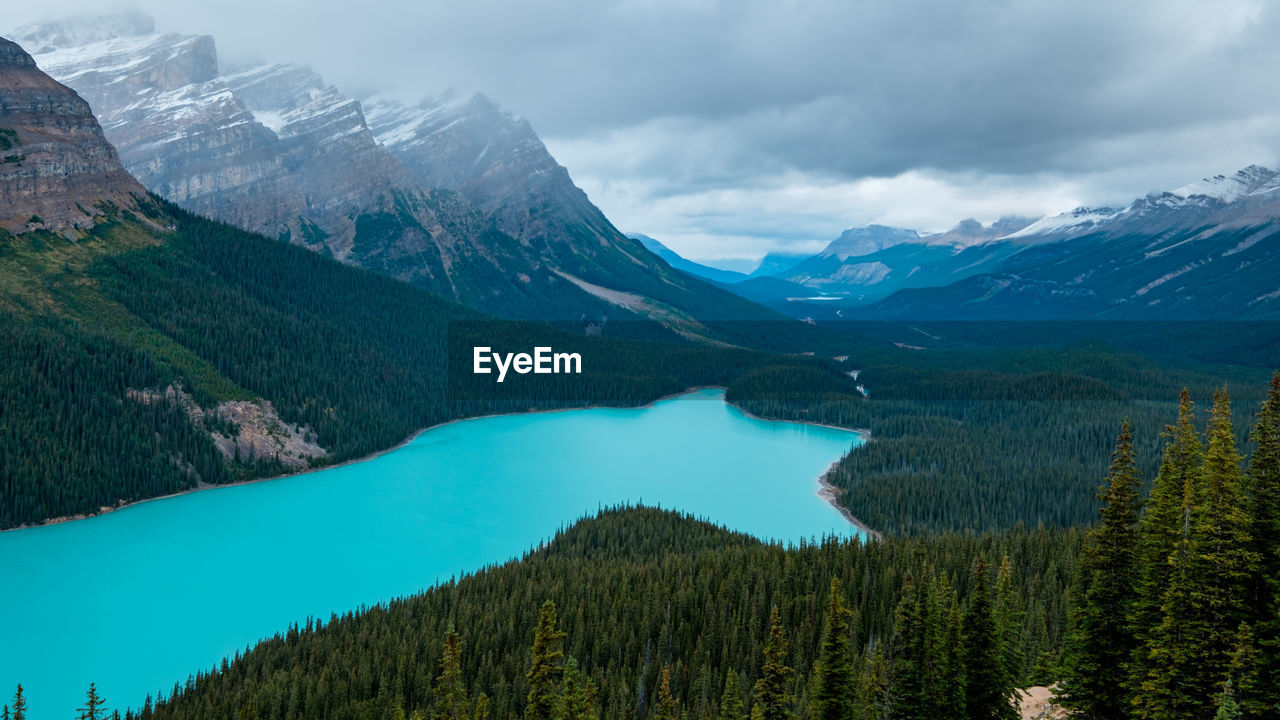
<point x="751" y="106"/>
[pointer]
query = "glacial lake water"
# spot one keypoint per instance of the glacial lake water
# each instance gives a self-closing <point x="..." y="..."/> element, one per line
<point x="137" y="599"/>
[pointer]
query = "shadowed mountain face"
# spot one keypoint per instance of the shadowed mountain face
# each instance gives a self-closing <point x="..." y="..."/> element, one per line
<point x="455" y="196"/>
<point x="56" y="167"/>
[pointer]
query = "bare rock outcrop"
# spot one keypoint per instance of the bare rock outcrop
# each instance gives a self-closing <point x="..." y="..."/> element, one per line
<point x="57" y="170"/>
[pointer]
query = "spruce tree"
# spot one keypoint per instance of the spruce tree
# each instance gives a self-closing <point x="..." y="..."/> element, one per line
<point x="1224" y="547"/>
<point x="545" y="666"/>
<point x="92" y="709"/>
<point x="19" y="711"/>
<point x="668" y="707"/>
<point x="988" y="691"/>
<point x="450" y="693"/>
<point x="577" y="700"/>
<point x="772" y="701"/>
<point x="1008" y="623"/>
<point x="1263" y="491"/>
<point x="1190" y="651"/>
<point x="1244" y="676"/>
<point x="1162" y="527"/>
<point x="1228" y="708"/>
<point x="731" y="705"/>
<point x="1170" y="649"/>
<point x="1102" y="643"/>
<point x="905" y="691"/>
<point x="949" y="676"/>
<point x="834" y="679"/>
<point x="482" y="708"/>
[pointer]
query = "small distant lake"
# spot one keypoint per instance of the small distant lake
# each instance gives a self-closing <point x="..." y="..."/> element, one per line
<point x="137" y="599"/>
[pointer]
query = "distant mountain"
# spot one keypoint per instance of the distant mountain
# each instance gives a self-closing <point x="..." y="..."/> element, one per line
<point x="776" y="264"/>
<point x="453" y="195"/>
<point x="678" y="262"/>
<point x="1208" y="250"/>
<point x="867" y="264"/>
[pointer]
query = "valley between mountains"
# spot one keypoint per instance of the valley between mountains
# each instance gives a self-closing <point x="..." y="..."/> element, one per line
<point x="216" y="272"/>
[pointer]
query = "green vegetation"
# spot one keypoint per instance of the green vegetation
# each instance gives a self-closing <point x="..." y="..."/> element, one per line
<point x="355" y="360"/>
<point x="987" y="437"/>
<point x="1192" y="633"/>
<point x="642" y="613"/>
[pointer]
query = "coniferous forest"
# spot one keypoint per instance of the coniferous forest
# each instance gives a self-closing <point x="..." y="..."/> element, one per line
<point x="981" y="475"/>
<point x="1166" y="609"/>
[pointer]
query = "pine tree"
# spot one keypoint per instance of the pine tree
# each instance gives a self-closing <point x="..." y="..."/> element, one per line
<point x="545" y="666"/>
<point x="668" y="707"/>
<point x="772" y="700"/>
<point x="1223" y="544"/>
<point x="19" y="705"/>
<point x="905" y="692"/>
<point x="949" y="678"/>
<point x="988" y="691"/>
<point x="450" y="693"/>
<point x="92" y="709"/>
<point x="1263" y="491"/>
<point x="1163" y="526"/>
<point x="834" y="679"/>
<point x="1244" y="677"/>
<point x="1102" y="643"/>
<point x="1190" y="652"/>
<point x="731" y="705"/>
<point x="1009" y="623"/>
<point x="482" y="708"/>
<point x="577" y="701"/>
<point x="1228" y="709"/>
<point x="1170" y="648"/>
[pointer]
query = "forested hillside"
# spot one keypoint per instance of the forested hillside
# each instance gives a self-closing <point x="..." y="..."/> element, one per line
<point x="1166" y="610"/>
<point x="990" y="437"/>
<point x="128" y="343"/>
<point x="659" y="614"/>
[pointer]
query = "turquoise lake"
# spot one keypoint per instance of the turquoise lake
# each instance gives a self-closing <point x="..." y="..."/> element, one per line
<point x="137" y="599"/>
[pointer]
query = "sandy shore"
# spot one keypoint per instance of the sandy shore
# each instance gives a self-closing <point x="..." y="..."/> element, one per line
<point x="826" y="491"/>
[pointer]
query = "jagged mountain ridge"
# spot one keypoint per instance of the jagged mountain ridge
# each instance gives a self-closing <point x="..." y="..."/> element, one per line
<point x="315" y="176"/>
<point x="275" y="150"/>
<point x="57" y="169"/>
<point x="1208" y="250"/>
<point x="495" y="159"/>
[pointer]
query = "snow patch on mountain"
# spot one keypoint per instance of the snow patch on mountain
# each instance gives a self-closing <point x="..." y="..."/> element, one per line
<point x="1254" y="179"/>
<point x="1079" y="220"/>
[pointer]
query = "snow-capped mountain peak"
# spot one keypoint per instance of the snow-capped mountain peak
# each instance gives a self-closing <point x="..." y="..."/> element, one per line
<point x="1248" y="181"/>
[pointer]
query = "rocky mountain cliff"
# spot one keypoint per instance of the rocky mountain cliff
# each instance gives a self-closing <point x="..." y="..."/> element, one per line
<point x="468" y="144"/>
<point x="57" y="170"/>
<point x="453" y="195"/>
<point x="275" y="151"/>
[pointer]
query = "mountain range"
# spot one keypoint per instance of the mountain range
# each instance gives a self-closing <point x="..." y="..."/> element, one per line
<point x="1206" y="250"/>
<point x="150" y="350"/>
<point x="450" y="193"/>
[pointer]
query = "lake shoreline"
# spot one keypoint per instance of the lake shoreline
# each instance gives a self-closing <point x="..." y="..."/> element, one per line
<point x="826" y="491"/>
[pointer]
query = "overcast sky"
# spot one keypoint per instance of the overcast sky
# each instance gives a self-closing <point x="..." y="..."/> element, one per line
<point x="727" y="128"/>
